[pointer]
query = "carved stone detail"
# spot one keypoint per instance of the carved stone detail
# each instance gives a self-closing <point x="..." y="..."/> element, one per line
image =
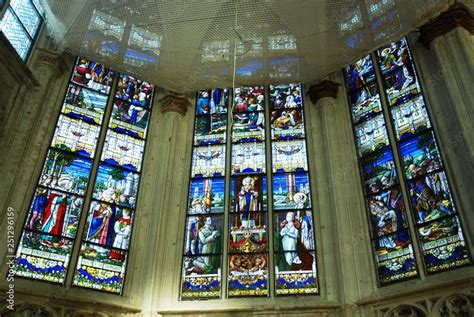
<point x="175" y="102"/>
<point x="50" y="59"/>
<point x="325" y="88"/>
<point x="456" y="305"/>
<point x="458" y="15"/>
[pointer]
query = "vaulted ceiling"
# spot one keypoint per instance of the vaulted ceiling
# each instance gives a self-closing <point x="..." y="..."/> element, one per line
<point x="186" y="45"/>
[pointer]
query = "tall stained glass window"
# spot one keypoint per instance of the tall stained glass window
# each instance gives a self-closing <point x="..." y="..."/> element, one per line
<point x="248" y="232"/>
<point x="45" y="248"/>
<point x="106" y="239"/>
<point x="21" y="24"/>
<point x="404" y="180"/>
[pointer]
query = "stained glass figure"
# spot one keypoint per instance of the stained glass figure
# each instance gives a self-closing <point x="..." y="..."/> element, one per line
<point x="203" y="235"/>
<point x="212" y="101"/>
<point x="387" y="212"/>
<point x="248" y="127"/>
<point x="85" y="104"/>
<point x="443" y="245"/>
<point x="249" y="99"/>
<point x="291" y="191"/>
<point x="66" y="171"/>
<point x="378" y="171"/>
<point x="54" y="212"/>
<point x="401" y="85"/>
<point x="365" y="104"/>
<point x="93" y="75"/>
<point x="287" y="124"/>
<point x="134" y="91"/>
<point x="395" y="258"/>
<point x="116" y="185"/>
<point x="289" y="156"/>
<point x="361" y="73"/>
<point x="100" y="268"/>
<point x="208" y="161"/>
<point x="198" y="283"/>
<point x="129" y="119"/>
<point x="248" y="274"/>
<point x="371" y="135"/>
<point x="123" y="150"/>
<point x="430" y="197"/>
<point x="248" y="158"/>
<point x="108" y="225"/>
<point x="285" y="96"/>
<point x="393" y="56"/>
<point x="410" y="118"/>
<point x="420" y="155"/>
<point x="76" y="136"/>
<point x="248" y="193"/>
<point x="210" y="129"/>
<point x="206" y="195"/>
<point x="43" y="257"/>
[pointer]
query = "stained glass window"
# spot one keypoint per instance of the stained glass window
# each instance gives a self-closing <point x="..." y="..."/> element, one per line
<point x="201" y="276"/>
<point x="21" y="23"/>
<point x="105" y="243"/>
<point x="44" y="251"/>
<point x="437" y="225"/>
<point x="429" y="200"/>
<point x="293" y="226"/>
<point x="391" y="240"/>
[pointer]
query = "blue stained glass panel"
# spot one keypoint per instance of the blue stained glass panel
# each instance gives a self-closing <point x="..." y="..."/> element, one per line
<point x="43" y="257"/>
<point x="85" y="104"/>
<point x="129" y="119"/>
<point x="401" y="85"/>
<point x="296" y="278"/>
<point x="287" y="124"/>
<point x="358" y="75"/>
<point x="54" y="212"/>
<point x="138" y="93"/>
<point x="371" y="135"/>
<point x="365" y="103"/>
<point x="123" y="150"/>
<point x="100" y="268"/>
<point x="378" y="171"/>
<point x="15" y="33"/>
<point x="212" y="101"/>
<point x="249" y="99"/>
<point x="201" y="277"/>
<point x="27" y="14"/>
<point x="109" y="225"/>
<point x="210" y="129"/>
<point x="395" y="258"/>
<point x="291" y="191"/>
<point x="248" y="158"/>
<point x="431" y="197"/>
<point x="93" y="75"/>
<point x="203" y="235"/>
<point x="393" y="56"/>
<point x="289" y="156"/>
<point x="248" y="275"/>
<point x="443" y="245"/>
<point x="387" y="212"/>
<point x="206" y="195"/>
<point x="285" y="96"/>
<point x="410" y="118"/>
<point x="420" y="155"/>
<point x="208" y="161"/>
<point x="76" y="136"/>
<point x="116" y="185"/>
<point x="248" y="127"/>
<point x="65" y="171"/>
<point x="248" y="193"/>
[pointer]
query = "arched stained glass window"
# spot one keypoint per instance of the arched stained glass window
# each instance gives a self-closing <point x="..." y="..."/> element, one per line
<point x="250" y="243"/>
<point x="410" y="206"/>
<point x="54" y="220"/>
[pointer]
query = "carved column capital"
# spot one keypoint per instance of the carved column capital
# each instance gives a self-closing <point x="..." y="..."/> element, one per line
<point x="325" y="88"/>
<point x="175" y="102"/>
<point x="51" y="60"/>
<point x="458" y="15"/>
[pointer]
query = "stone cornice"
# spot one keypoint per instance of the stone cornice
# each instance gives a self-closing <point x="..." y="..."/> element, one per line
<point x="325" y="88"/>
<point x="50" y="59"/>
<point x="458" y="15"/>
<point x="174" y="102"/>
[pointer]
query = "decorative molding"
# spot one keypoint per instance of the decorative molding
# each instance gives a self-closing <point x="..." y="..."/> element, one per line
<point x="174" y="102"/>
<point x="458" y="15"/>
<point x="325" y="88"/>
<point x="51" y="59"/>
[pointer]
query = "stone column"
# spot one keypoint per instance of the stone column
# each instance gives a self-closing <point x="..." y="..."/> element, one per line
<point x="340" y="194"/>
<point x="450" y="37"/>
<point x="161" y="230"/>
<point x="27" y="134"/>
